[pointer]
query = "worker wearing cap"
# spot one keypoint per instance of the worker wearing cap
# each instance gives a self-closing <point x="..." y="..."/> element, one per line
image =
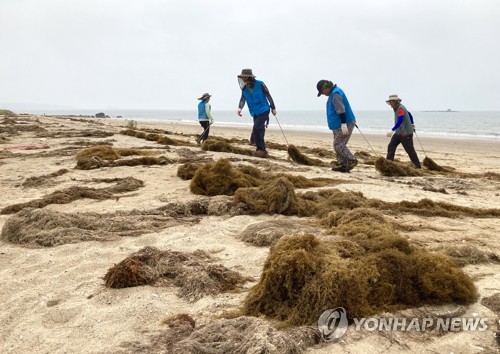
<point x="341" y="122"/>
<point x="402" y="132"/>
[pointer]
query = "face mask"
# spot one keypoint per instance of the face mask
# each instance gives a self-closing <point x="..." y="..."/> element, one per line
<point x="241" y="83"/>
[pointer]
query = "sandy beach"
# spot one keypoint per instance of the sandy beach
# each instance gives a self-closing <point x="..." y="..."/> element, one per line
<point x="54" y="299"/>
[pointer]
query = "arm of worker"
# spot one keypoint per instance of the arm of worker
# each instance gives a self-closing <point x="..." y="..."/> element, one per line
<point x="208" y="111"/>
<point x="411" y="120"/>
<point x="338" y="105"/>
<point x="241" y="105"/>
<point x="269" y="99"/>
<point x="401" y="117"/>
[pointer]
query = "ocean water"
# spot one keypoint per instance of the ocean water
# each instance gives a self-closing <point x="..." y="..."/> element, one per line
<point x="481" y="125"/>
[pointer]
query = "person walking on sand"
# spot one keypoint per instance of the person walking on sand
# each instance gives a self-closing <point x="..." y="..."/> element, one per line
<point x="341" y="122"/>
<point x="402" y="132"/>
<point x="204" y="117"/>
<point x="260" y="102"/>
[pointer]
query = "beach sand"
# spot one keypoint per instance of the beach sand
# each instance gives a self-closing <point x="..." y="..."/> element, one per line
<point x="53" y="299"/>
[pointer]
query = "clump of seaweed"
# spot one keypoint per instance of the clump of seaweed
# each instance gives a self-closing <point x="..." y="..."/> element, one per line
<point x="220" y="178"/>
<point x="187" y="170"/>
<point x="215" y="144"/>
<point x="302" y="159"/>
<point x="106" y="156"/>
<point x="391" y="168"/>
<point x="433" y="166"/>
<point x="71" y="194"/>
<point x="276" y="197"/>
<point x="194" y="273"/>
<point x="37" y="181"/>
<point x="303" y="276"/>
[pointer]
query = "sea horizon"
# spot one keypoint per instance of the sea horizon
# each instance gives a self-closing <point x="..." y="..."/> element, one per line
<point x="481" y="125"/>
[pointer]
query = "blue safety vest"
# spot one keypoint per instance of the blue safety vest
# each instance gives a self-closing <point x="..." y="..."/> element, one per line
<point x="202" y="114"/>
<point x="256" y="100"/>
<point x="332" y="117"/>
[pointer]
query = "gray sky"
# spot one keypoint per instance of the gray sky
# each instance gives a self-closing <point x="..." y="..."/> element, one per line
<point x="435" y="54"/>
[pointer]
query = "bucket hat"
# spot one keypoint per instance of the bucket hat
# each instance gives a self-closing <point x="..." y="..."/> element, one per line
<point x="205" y="96"/>
<point x="246" y="73"/>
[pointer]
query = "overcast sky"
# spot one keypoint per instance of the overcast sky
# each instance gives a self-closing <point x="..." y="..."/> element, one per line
<point x="435" y="54"/>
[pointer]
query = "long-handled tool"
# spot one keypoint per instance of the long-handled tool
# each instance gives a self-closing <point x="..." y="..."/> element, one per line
<point x="366" y="140"/>
<point x="281" y="130"/>
<point x="420" y="143"/>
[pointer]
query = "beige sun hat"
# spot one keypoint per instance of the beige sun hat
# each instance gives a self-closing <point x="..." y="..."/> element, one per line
<point x="393" y="98"/>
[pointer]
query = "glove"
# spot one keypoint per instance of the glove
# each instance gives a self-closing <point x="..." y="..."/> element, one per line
<point x="273" y="111"/>
<point x="238" y="112"/>
<point x="413" y="126"/>
<point x="211" y="121"/>
<point x="389" y="134"/>
<point x="345" y="131"/>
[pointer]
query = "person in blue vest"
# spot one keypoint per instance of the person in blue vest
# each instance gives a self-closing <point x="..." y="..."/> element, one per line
<point x="402" y="132"/>
<point x="256" y="94"/>
<point x="341" y="121"/>
<point x="204" y="117"/>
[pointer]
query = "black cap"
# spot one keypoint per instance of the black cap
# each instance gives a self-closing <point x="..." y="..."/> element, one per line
<point x="322" y="84"/>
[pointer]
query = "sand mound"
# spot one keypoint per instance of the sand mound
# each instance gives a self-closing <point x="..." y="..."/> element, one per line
<point x="193" y="272"/>
<point x="239" y="335"/>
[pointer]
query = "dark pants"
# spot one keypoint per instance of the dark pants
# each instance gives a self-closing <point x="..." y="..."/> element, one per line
<point x="259" y="130"/>
<point x="206" y="129"/>
<point x="407" y="142"/>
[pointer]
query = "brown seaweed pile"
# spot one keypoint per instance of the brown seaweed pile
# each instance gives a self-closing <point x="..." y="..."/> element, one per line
<point x="391" y="168"/>
<point x="68" y="195"/>
<point x="38" y="181"/>
<point x="222" y="178"/>
<point x="302" y="159"/>
<point x="159" y="138"/>
<point x="106" y="156"/>
<point x="368" y="269"/>
<point x="194" y="273"/>
<point x="47" y="228"/>
<point x="238" y="335"/>
<point x="215" y="144"/>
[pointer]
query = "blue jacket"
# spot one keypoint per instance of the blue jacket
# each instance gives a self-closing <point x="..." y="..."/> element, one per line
<point x="256" y="100"/>
<point x="202" y="114"/>
<point x="332" y="117"/>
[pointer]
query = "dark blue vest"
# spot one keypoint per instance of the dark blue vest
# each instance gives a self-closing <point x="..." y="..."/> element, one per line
<point x="332" y="117"/>
<point x="256" y="100"/>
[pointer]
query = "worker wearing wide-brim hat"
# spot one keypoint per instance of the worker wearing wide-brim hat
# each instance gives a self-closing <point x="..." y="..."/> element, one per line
<point x="341" y="122"/>
<point x="260" y="103"/>
<point x="402" y="132"/>
<point x="204" y="116"/>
